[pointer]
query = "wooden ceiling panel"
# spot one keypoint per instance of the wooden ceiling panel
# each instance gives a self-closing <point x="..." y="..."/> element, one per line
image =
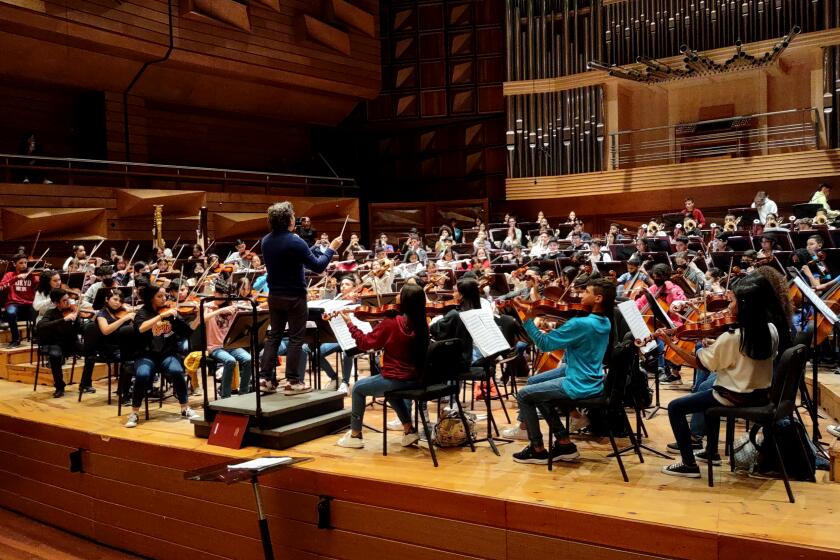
<point x="176" y="204"/>
<point x="21" y="223"/>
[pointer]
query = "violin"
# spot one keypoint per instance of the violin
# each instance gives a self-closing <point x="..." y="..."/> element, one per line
<point x="550" y="308"/>
<point x="369" y="313"/>
<point x="441" y="307"/>
<point x="83" y="314"/>
<point x="224" y="267"/>
<point x="711" y="326"/>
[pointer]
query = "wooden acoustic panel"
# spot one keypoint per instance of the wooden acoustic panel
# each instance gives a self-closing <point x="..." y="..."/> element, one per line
<point x="141" y="202"/>
<point x="79" y="223"/>
<point x="230" y="225"/>
<point x="36" y="5"/>
<point x="325" y="34"/>
<point x="354" y="17"/>
<point x="220" y="11"/>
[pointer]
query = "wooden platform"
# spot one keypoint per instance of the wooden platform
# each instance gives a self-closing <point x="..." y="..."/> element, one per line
<point x="475" y="505"/>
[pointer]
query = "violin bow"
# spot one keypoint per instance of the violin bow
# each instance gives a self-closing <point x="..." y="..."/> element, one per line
<point x="122" y="256"/>
<point x="40" y="259"/>
<point x="729" y="272"/>
<point x="35" y="244"/>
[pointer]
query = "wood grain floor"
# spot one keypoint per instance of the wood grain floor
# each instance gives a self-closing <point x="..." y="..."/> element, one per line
<point x="737" y="506"/>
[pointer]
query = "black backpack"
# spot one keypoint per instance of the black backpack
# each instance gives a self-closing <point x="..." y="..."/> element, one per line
<point x="794" y="447"/>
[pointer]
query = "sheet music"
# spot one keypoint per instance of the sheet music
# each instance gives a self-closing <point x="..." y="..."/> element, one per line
<point x="261" y="463"/>
<point x="328" y="305"/>
<point x="342" y="333"/>
<point x="636" y="323"/>
<point x="484" y="331"/>
<point x="659" y="313"/>
<point x="816" y="300"/>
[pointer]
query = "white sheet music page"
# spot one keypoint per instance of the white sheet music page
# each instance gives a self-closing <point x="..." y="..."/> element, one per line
<point x="342" y="334"/>
<point x="636" y="323"/>
<point x="815" y="299"/>
<point x="484" y="332"/>
<point x="261" y="463"/>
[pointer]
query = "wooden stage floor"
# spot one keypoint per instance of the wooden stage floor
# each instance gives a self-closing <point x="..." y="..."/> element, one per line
<point x="472" y="506"/>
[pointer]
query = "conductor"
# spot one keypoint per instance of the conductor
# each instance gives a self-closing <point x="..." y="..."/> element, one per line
<point x="285" y="256"/>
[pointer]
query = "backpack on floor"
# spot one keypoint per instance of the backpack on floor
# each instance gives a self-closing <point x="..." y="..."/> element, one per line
<point x="794" y="447"/>
<point x="449" y="430"/>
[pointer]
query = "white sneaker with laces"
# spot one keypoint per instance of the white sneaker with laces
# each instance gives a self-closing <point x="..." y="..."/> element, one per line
<point x="409" y="439"/>
<point x="515" y="433"/>
<point x="344" y="388"/>
<point x="189" y="414"/>
<point x="347" y="440"/>
<point x="395" y="425"/>
<point x="576" y="423"/>
<point x="833" y="429"/>
<point x="332" y="385"/>
<point x="132" y="421"/>
<point x="297" y="388"/>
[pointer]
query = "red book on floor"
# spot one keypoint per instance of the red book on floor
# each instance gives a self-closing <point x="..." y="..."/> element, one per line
<point x="228" y="430"/>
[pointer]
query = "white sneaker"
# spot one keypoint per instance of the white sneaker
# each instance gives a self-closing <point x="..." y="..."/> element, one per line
<point x="189" y="414"/>
<point x="132" y="421"/>
<point x="347" y="440"/>
<point x="344" y="388"/>
<point x="409" y="439"/>
<point x="833" y="429"/>
<point x="576" y="423"/>
<point x="296" y="388"/>
<point x="515" y="433"/>
<point x="332" y="385"/>
<point x="395" y="425"/>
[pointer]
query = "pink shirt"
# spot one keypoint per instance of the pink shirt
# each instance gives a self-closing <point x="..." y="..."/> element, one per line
<point x="671" y="293"/>
<point x="217" y="328"/>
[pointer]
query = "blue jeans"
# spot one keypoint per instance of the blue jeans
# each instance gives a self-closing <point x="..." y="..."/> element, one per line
<point x="698" y="421"/>
<point x="555" y="373"/>
<point x="228" y="359"/>
<point x="377" y="386"/>
<point x="536" y="395"/>
<point x="678" y="409"/>
<point x="283" y="348"/>
<point x="169" y="366"/>
<point x="329" y="348"/>
<point x="15" y="311"/>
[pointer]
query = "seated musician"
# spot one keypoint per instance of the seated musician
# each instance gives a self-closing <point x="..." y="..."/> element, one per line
<point x="743" y="362"/>
<point x="446" y="261"/>
<point x="632" y="268"/>
<point x="322" y="244"/>
<point x="57" y="334"/>
<point x="768" y="245"/>
<point x="691" y="211"/>
<point x="685" y="264"/>
<point x="352" y="247"/>
<point x="813" y="268"/>
<point x="382" y="244"/>
<point x="450" y="325"/>
<point x="159" y="327"/>
<point x="510" y="241"/>
<point x="597" y="252"/>
<point x="411" y="266"/>
<point x="50" y="280"/>
<point x="719" y="245"/>
<point x="19" y="287"/>
<point x="821" y="197"/>
<point x="104" y="279"/>
<point x="381" y="276"/>
<point x="78" y="255"/>
<point x="404" y="340"/>
<point x="673" y="297"/>
<point x="237" y="257"/>
<point x="348" y="291"/>
<point x="482" y="255"/>
<point x="482" y="241"/>
<point x="115" y="324"/>
<point x="164" y="266"/>
<point x="440" y="244"/>
<point x="540" y="247"/>
<point x="713" y="276"/>
<point x="218" y="318"/>
<point x="585" y="341"/>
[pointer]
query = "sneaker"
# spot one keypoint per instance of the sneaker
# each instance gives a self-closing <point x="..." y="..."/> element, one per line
<point x="671" y="380"/>
<point x="132" y="421"/>
<point x="409" y="439"/>
<point x="297" y="388"/>
<point x="703" y="457"/>
<point x="14" y="344"/>
<point x="577" y="424"/>
<point x="833" y="429"/>
<point x="695" y="444"/>
<point x="564" y="452"/>
<point x="344" y="388"/>
<point x="332" y="385"/>
<point x="88" y="389"/>
<point x="347" y="440"/>
<point x="189" y="414"/>
<point x="395" y="425"/>
<point x="531" y="457"/>
<point x="267" y="386"/>
<point x="58" y="393"/>
<point x="678" y="469"/>
<point x="515" y="433"/>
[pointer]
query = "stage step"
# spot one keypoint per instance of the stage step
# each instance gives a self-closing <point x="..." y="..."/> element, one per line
<point x="289" y="435"/>
<point x="281" y="410"/>
<point x="13" y="356"/>
<point x="6" y="335"/>
<point x="25" y="373"/>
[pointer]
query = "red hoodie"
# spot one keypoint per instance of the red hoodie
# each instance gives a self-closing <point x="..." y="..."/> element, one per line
<point x="394" y="336"/>
<point x="20" y="290"/>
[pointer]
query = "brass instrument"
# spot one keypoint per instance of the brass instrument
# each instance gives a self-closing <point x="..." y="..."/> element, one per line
<point x="689" y="224"/>
<point x="652" y="228"/>
<point x="771" y="223"/>
<point x="157" y="226"/>
<point x="731" y="224"/>
<point x="820" y="219"/>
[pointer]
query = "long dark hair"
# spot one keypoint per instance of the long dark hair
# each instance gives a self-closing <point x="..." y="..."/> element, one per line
<point x="470" y="296"/>
<point x="149" y="293"/>
<point x="44" y="287"/>
<point x="753" y="319"/>
<point x="413" y="306"/>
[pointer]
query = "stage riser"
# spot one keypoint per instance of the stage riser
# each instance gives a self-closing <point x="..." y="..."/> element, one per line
<point x="132" y="495"/>
<point x="283" y="438"/>
<point x="25" y="373"/>
<point x="306" y="406"/>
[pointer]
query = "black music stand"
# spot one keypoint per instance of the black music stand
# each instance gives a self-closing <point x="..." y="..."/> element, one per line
<point x="739" y="242"/>
<point x="621" y="251"/>
<point x="223" y="473"/>
<point x="672" y="219"/>
<point x="488" y="364"/>
<point x="658" y="257"/>
<point x="806" y="210"/>
<point x="747" y="214"/>
<point x="74" y="280"/>
<point x="660" y="317"/>
<point x="658" y="244"/>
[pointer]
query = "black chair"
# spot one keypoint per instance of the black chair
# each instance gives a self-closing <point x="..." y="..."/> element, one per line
<point x="114" y="365"/>
<point x="783" y="390"/>
<point x="436" y="383"/>
<point x="43" y="357"/>
<point x="611" y="400"/>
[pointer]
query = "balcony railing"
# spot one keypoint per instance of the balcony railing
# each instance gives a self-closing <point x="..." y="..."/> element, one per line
<point x="127" y="174"/>
<point x="776" y="132"/>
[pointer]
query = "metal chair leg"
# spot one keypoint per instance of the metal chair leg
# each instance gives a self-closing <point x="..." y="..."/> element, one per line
<point x="781" y="464"/>
<point x="616" y="453"/>
<point x="429" y="439"/>
<point x="466" y="426"/>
